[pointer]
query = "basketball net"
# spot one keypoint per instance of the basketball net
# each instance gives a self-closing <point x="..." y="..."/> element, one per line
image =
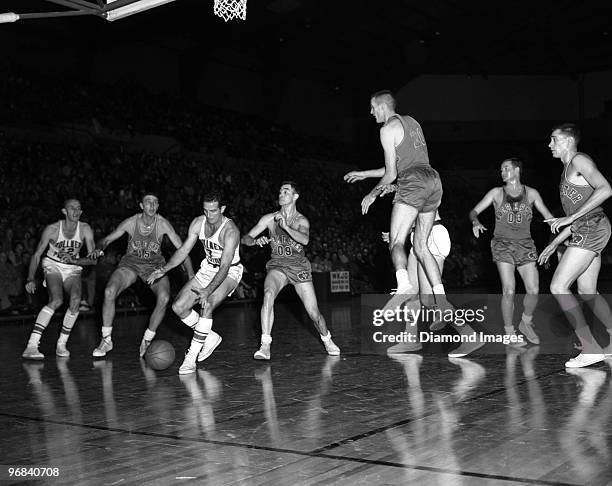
<point x="230" y="9"/>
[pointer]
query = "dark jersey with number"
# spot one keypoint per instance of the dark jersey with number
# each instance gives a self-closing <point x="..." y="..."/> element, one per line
<point x="573" y="196"/>
<point x="513" y="217"/>
<point x="288" y="257"/>
<point x="412" y="150"/>
<point x="145" y="248"/>
<point x="284" y="247"/>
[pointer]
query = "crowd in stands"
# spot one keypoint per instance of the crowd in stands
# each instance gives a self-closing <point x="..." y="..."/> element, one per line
<point x="247" y="158"/>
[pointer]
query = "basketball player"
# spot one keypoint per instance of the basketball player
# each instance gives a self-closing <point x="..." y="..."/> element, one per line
<point x="582" y="189"/>
<point x="219" y="275"/>
<point x="418" y="193"/>
<point x="145" y="231"/>
<point x="439" y="245"/>
<point x="512" y="246"/>
<point x="289" y="232"/>
<point x="62" y="273"/>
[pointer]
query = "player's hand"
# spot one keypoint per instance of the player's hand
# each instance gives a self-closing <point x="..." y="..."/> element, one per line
<point x="557" y="223"/>
<point x="30" y="286"/>
<point x="477" y="229"/>
<point x="202" y="295"/>
<point x="262" y="241"/>
<point x="156" y="275"/>
<point x="366" y="202"/>
<point x="546" y="253"/>
<point x="386" y="189"/>
<point x="354" y="176"/>
<point x="94" y="255"/>
<point x="385" y="236"/>
<point x="280" y="219"/>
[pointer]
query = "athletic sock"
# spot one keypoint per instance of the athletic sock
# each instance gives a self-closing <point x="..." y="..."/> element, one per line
<point x="42" y="321"/>
<point x="192" y="319"/>
<point x="67" y="325"/>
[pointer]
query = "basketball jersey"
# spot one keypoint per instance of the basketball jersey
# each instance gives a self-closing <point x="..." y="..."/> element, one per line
<point x="145" y="247"/>
<point x="513" y="217"/>
<point x="283" y="246"/>
<point x="412" y="150"/>
<point x="213" y="248"/>
<point x="66" y="247"/>
<point x="573" y="196"/>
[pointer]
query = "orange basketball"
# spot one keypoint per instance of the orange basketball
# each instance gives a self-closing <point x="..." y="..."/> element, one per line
<point x="160" y="354"/>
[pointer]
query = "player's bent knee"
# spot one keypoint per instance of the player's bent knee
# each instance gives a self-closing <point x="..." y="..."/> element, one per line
<point x="110" y="293"/>
<point x="508" y="291"/>
<point x="397" y="247"/>
<point x="556" y="288"/>
<point x="178" y="307"/>
<point x="55" y="303"/>
<point x="163" y="298"/>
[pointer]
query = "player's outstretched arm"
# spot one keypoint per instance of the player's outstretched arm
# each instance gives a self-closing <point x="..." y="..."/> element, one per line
<point x="485" y="202"/>
<point x="552" y="246"/>
<point x="252" y="238"/>
<point x="178" y="244"/>
<point x="90" y="245"/>
<point x="46" y="236"/>
<point x="387" y="139"/>
<point x="359" y="175"/>
<point x="113" y="236"/>
<point x="182" y="253"/>
<point x="535" y="197"/>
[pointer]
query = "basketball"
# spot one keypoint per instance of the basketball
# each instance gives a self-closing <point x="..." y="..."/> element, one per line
<point x="160" y="355"/>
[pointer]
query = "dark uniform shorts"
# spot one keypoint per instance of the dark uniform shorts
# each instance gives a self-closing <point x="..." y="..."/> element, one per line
<point x="419" y="187"/>
<point x="591" y="232"/>
<point x="142" y="269"/>
<point x="516" y="252"/>
<point x="297" y="271"/>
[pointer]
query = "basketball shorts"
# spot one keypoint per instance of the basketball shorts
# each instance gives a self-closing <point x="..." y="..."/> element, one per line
<point x="591" y="233"/>
<point x="207" y="272"/>
<point x="64" y="269"/>
<point x="297" y="271"/>
<point x="419" y="187"/>
<point x="141" y="268"/>
<point x="439" y="242"/>
<point x="516" y="252"/>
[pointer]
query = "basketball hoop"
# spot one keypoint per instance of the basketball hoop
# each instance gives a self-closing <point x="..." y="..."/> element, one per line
<point x="230" y="9"/>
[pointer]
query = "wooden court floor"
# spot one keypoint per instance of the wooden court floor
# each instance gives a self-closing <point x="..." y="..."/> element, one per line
<point x="304" y="418"/>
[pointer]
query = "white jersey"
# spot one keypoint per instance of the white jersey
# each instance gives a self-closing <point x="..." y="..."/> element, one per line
<point x="213" y="247"/>
<point x="65" y="247"/>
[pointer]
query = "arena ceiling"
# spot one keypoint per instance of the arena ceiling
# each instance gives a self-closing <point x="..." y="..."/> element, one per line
<point x="346" y="42"/>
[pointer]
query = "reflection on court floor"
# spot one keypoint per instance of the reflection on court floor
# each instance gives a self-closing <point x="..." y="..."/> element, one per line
<point x="512" y="416"/>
